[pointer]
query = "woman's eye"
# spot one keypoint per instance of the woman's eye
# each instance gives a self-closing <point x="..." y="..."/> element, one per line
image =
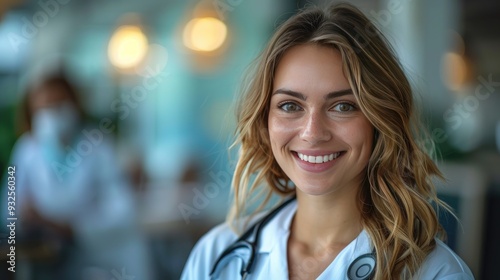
<point x="344" y="107"/>
<point x="289" y="107"/>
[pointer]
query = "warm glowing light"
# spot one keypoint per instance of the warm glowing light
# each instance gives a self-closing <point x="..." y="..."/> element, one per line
<point x="127" y="47"/>
<point x="455" y="70"/>
<point x="204" y="34"/>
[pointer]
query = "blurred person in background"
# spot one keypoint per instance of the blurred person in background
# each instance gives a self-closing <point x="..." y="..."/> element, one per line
<point x="71" y="195"/>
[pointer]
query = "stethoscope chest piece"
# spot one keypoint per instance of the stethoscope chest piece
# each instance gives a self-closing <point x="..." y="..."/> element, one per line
<point x="362" y="267"/>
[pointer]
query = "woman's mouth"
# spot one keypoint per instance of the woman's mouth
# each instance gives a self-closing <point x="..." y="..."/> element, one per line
<point x="316" y="161"/>
<point x="320" y="158"/>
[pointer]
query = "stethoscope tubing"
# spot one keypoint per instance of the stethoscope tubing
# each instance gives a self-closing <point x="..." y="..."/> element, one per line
<point x="243" y="242"/>
<point x="362" y="268"/>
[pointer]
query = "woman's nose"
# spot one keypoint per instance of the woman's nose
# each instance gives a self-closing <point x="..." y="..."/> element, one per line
<point x="315" y="129"/>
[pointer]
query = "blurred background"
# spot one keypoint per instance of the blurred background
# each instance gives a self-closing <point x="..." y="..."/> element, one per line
<point x="140" y="96"/>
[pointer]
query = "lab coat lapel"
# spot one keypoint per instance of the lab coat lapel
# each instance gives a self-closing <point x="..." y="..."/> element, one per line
<point x="272" y="254"/>
<point x="273" y="250"/>
<point x="338" y="268"/>
<point x="278" y="264"/>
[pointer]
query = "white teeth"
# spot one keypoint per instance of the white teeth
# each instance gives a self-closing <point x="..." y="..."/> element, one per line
<point x="318" y="159"/>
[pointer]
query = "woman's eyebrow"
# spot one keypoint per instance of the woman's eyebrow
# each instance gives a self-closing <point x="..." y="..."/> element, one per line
<point x="338" y="93"/>
<point x="291" y="93"/>
<point x="330" y="95"/>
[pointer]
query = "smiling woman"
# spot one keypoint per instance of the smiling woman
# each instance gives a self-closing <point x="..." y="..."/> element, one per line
<point x="318" y="134"/>
<point x="327" y="118"/>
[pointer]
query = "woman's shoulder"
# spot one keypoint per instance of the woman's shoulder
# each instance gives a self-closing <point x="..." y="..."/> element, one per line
<point x="25" y="140"/>
<point x="24" y="148"/>
<point x="214" y="242"/>
<point x="443" y="263"/>
<point x="206" y="250"/>
<point x="216" y="239"/>
<point x="211" y="245"/>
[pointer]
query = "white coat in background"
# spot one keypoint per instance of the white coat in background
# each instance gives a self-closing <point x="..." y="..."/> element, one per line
<point x="91" y="195"/>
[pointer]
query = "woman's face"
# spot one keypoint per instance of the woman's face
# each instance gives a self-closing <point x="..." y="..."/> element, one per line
<point x="319" y="136"/>
<point x="55" y="116"/>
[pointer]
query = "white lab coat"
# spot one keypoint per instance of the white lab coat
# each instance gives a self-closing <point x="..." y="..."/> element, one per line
<point x="271" y="261"/>
<point x="91" y="195"/>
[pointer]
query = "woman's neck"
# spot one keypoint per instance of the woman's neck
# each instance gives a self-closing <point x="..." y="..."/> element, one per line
<point x="329" y="221"/>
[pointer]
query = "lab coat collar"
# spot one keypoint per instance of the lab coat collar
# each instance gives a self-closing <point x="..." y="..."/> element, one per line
<point x="275" y="237"/>
<point x="278" y="228"/>
<point x="359" y="246"/>
<point x="274" y="243"/>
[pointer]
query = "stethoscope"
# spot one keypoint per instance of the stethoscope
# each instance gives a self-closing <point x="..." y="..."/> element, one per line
<point x="362" y="268"/>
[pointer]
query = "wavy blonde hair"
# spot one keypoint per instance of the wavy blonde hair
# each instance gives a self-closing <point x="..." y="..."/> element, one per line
<point x="397" y="195"/>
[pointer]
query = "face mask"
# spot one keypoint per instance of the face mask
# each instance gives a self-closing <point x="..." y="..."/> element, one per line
<point x="55" y="124"/>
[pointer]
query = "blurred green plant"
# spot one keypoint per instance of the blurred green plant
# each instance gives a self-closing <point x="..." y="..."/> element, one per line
<point x="7" y="134"/>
